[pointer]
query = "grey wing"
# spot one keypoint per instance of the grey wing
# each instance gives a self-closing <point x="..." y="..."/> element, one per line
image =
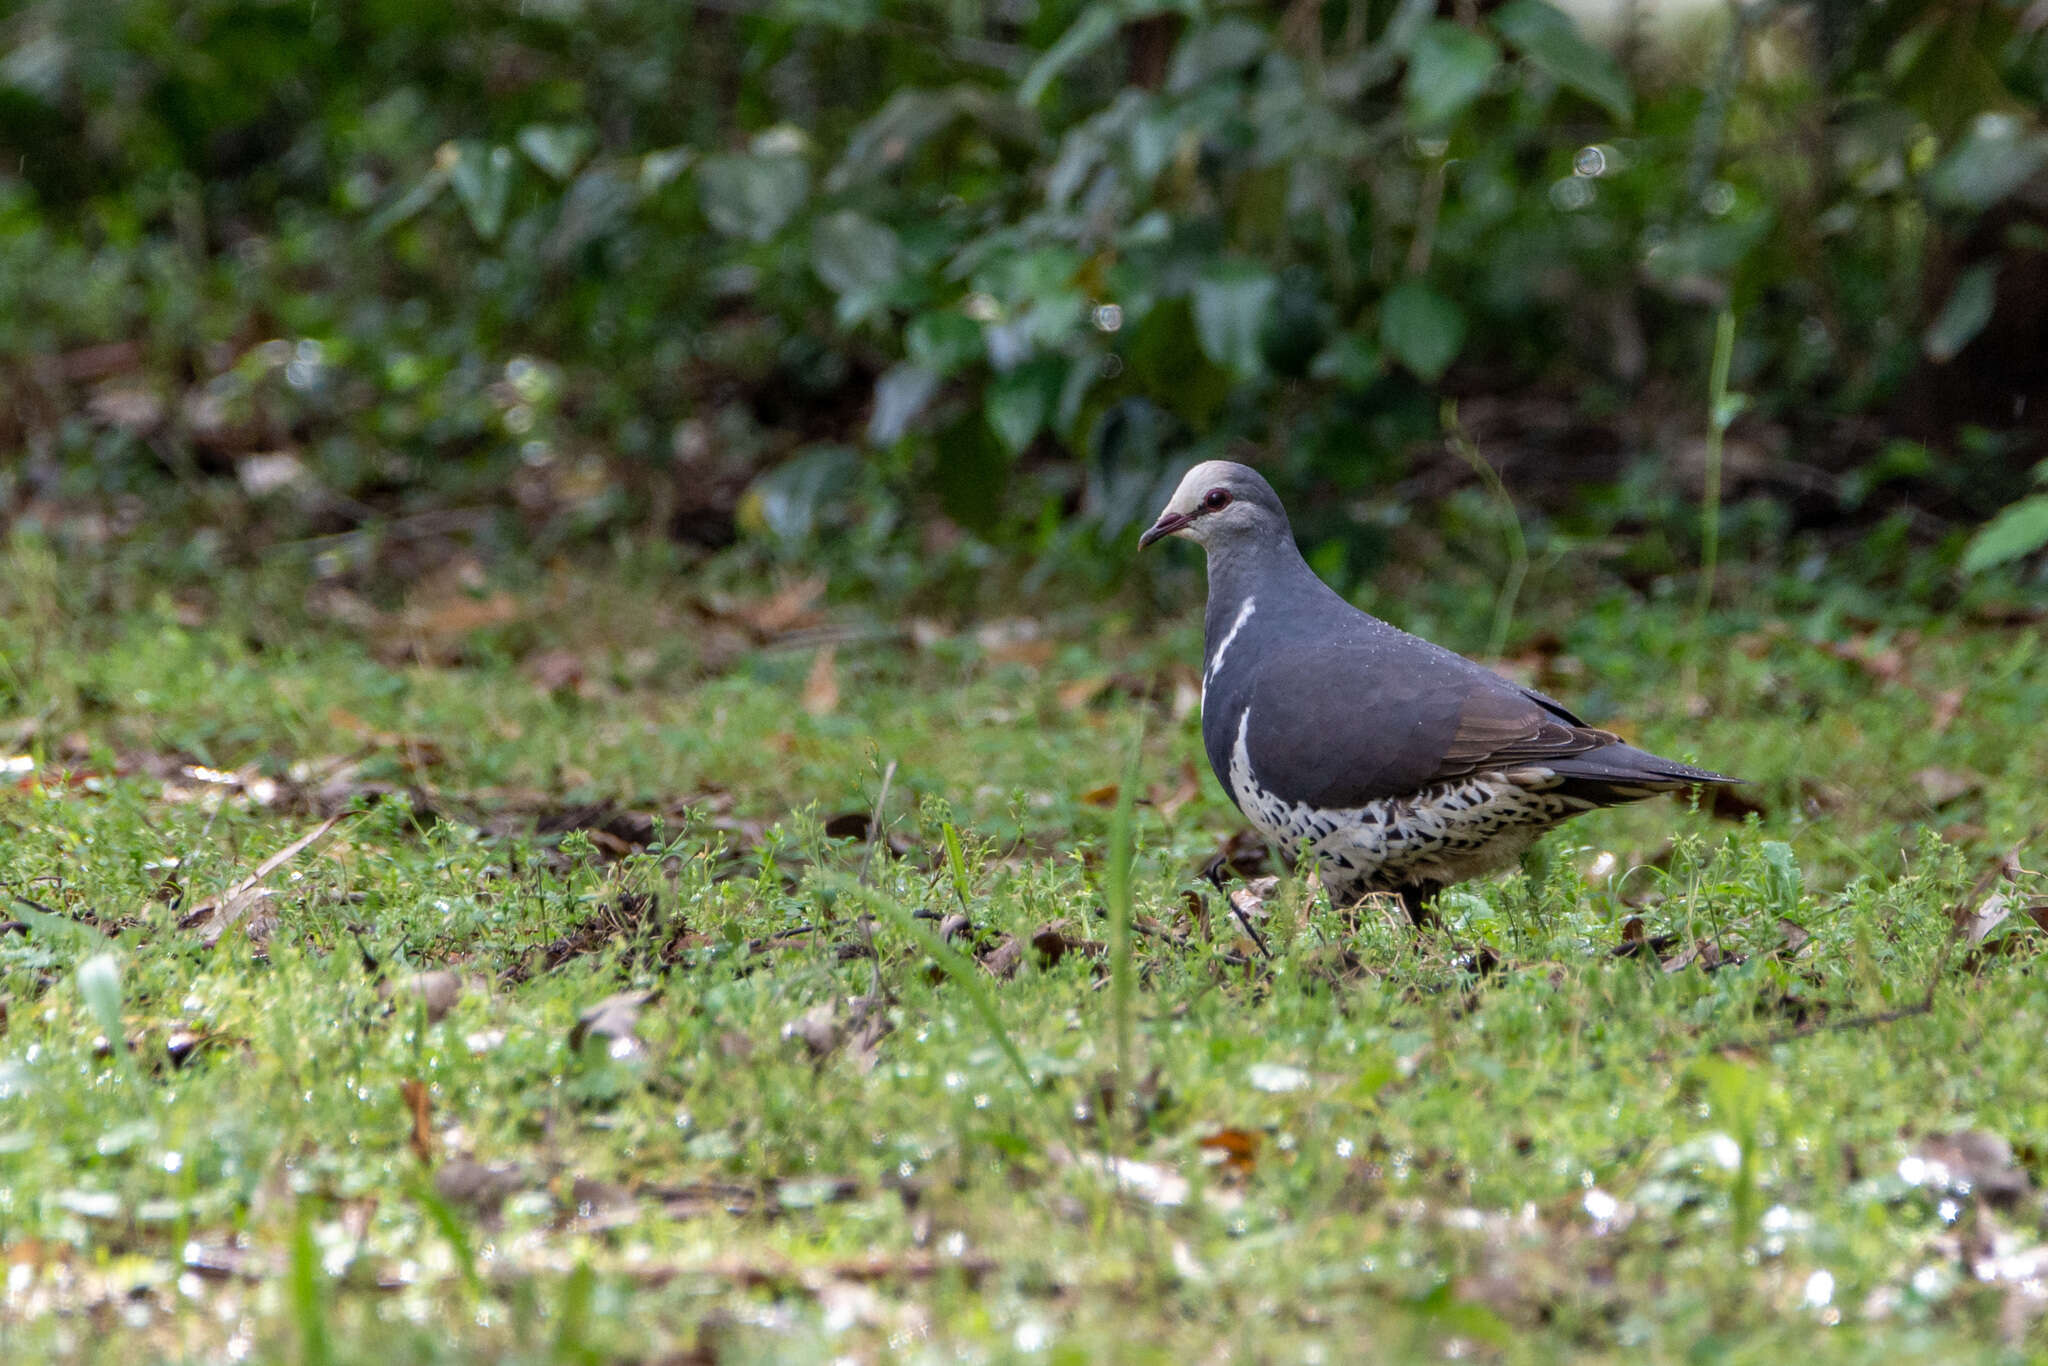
<point x="1340" y="726"/>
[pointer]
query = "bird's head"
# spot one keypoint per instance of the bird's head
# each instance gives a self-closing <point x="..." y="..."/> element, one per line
<point x="1220" y="502"/>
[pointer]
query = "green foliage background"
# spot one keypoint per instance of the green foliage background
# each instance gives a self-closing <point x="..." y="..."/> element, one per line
<point x="916" y="282"/>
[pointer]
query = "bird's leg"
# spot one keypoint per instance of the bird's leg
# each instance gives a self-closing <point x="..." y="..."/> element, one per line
<point x="1416" y="899"/>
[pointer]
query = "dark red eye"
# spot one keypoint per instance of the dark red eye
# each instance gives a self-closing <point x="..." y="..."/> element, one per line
<point x="1215" y="500"/>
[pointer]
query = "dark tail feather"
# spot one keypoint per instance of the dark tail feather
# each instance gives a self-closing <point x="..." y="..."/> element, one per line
<point x="1622" y="773"/>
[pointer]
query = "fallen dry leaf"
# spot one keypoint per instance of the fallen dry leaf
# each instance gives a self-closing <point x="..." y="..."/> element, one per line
<point x="478" y="1187"/>
<point x="1235" y="1149"/>
<point x="1245" y="854"/>
<point x="1992" y="927"/>
<point x="419" y="1104"/>
<point x="818" y="1029"/>
<point x="555" y="671"/>
<point x="1186" y="787"/>
<point x="1018" y="640"/>
<point x="443" y="622"/>
<point x="788" y="608"/>
<point x="1987" y="916"/>
<point x="1947" y="704"/>
<point x="1003" y="955"/>
<point x="438" y="991"/>
<point x="1970" y="1162"/>
<point x="1884" y="663"/>
<point x="1104" y="795"/>
<point x="1052" y="944"/>
<point x="1249" y="901"/>
<point x="1794" y="937"/>
<point x="1942" y="786"/>
<point x="418" y="751"/>
<point x="615" y="1019"/>
<point x="1705" y="954"/>
<point x="130" y="408"/>
<point x="1077" y="695"/>
<point x="821" y="687"/>
<point x="1004" y="958"/>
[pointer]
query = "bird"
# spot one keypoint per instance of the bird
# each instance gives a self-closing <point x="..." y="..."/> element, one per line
<point x="1403" y="767"/>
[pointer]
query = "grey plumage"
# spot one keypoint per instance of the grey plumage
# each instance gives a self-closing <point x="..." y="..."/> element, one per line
<point x="1405" y="766"/>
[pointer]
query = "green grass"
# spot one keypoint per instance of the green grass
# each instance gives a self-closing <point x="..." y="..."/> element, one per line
<point x="208" y="1153"/>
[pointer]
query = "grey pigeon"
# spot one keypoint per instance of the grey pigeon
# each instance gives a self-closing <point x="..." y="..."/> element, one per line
<point x="1405" y="767"/>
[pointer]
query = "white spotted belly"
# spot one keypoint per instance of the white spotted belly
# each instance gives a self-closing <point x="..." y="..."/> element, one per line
<point x="1461" y="829"/>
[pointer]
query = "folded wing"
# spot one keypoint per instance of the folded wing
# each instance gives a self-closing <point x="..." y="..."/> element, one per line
<point x="1341" y="725"/>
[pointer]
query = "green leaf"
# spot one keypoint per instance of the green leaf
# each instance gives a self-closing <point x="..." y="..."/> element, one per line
<point x="914" y="118"/>
<point x="1550" y="40"/>
<point x="1963" y="316"/>
<point x="901" y="394"/>
<point x="853" y="253"/>
<point x="1094" y="28"/>
<point x="557" y="148"/>
<point x="1423" y="329"/>
<point x="1020" y="402"/>
<point x="659" y="169"/>
<point x="956" y="863"/>
<point x="424" y="192"/>
<point x="1224" y="47"/>
<point x="1994" y="158"/>
<point x="1349" y="360"/>
<point x="752" y="196"/>
<point x="572" y="1317"/>
<point x="482" y="177"/>
<point x="452" y="1230"/>
<point x="788" y="499"/>
<point x="307" y="1293"/>
<point x="1232" y="300"/>
<point x="1442" y="1308"/>
<point x="2020" y="530"/>
<point x="944" y="341"/>
<point x="593" y="208"/>
<point x="99" y="983"/>
<point x="1447" y="70"/>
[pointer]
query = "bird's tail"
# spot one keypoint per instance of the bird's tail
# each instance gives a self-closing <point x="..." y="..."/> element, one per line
<point x="1618" y="773"/>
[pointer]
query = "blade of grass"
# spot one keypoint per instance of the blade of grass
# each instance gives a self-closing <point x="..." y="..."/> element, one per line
<point x="1722" y="410"/>
<point x="966" y="975"/>
<point x="451" y="1228"/>
<point x="573" y="1318"/>
<point x="867" y="868"/>
<point x="1466" y="449"/>
<point x="1116" y="887"/>
<point x="956" y="862"/>
<point x="308" y="1300"/>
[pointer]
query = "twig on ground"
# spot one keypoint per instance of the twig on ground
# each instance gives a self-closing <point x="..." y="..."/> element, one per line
<point x="238" y="898"/>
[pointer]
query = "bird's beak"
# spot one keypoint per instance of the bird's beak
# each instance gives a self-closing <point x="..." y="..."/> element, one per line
<point x="1168" y="523"/>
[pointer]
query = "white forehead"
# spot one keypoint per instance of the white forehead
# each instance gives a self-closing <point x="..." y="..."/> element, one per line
<point x="1200" y="480"/>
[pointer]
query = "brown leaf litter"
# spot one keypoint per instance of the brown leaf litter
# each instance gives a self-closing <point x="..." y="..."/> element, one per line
<point x="615" y="1021"/>
<point x="855" y="1023"/>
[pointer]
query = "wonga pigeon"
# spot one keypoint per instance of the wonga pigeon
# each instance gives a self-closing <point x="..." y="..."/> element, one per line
<point x="1405" y="767"/>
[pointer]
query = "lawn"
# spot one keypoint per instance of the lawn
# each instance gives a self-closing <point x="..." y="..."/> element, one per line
<point x="569" y="967"/>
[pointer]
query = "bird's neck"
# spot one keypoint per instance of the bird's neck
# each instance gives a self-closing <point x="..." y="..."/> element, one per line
<point x="1271" y="569"/>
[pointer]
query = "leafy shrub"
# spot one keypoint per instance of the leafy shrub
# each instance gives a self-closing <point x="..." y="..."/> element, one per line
<point x="1003" y="263"/>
